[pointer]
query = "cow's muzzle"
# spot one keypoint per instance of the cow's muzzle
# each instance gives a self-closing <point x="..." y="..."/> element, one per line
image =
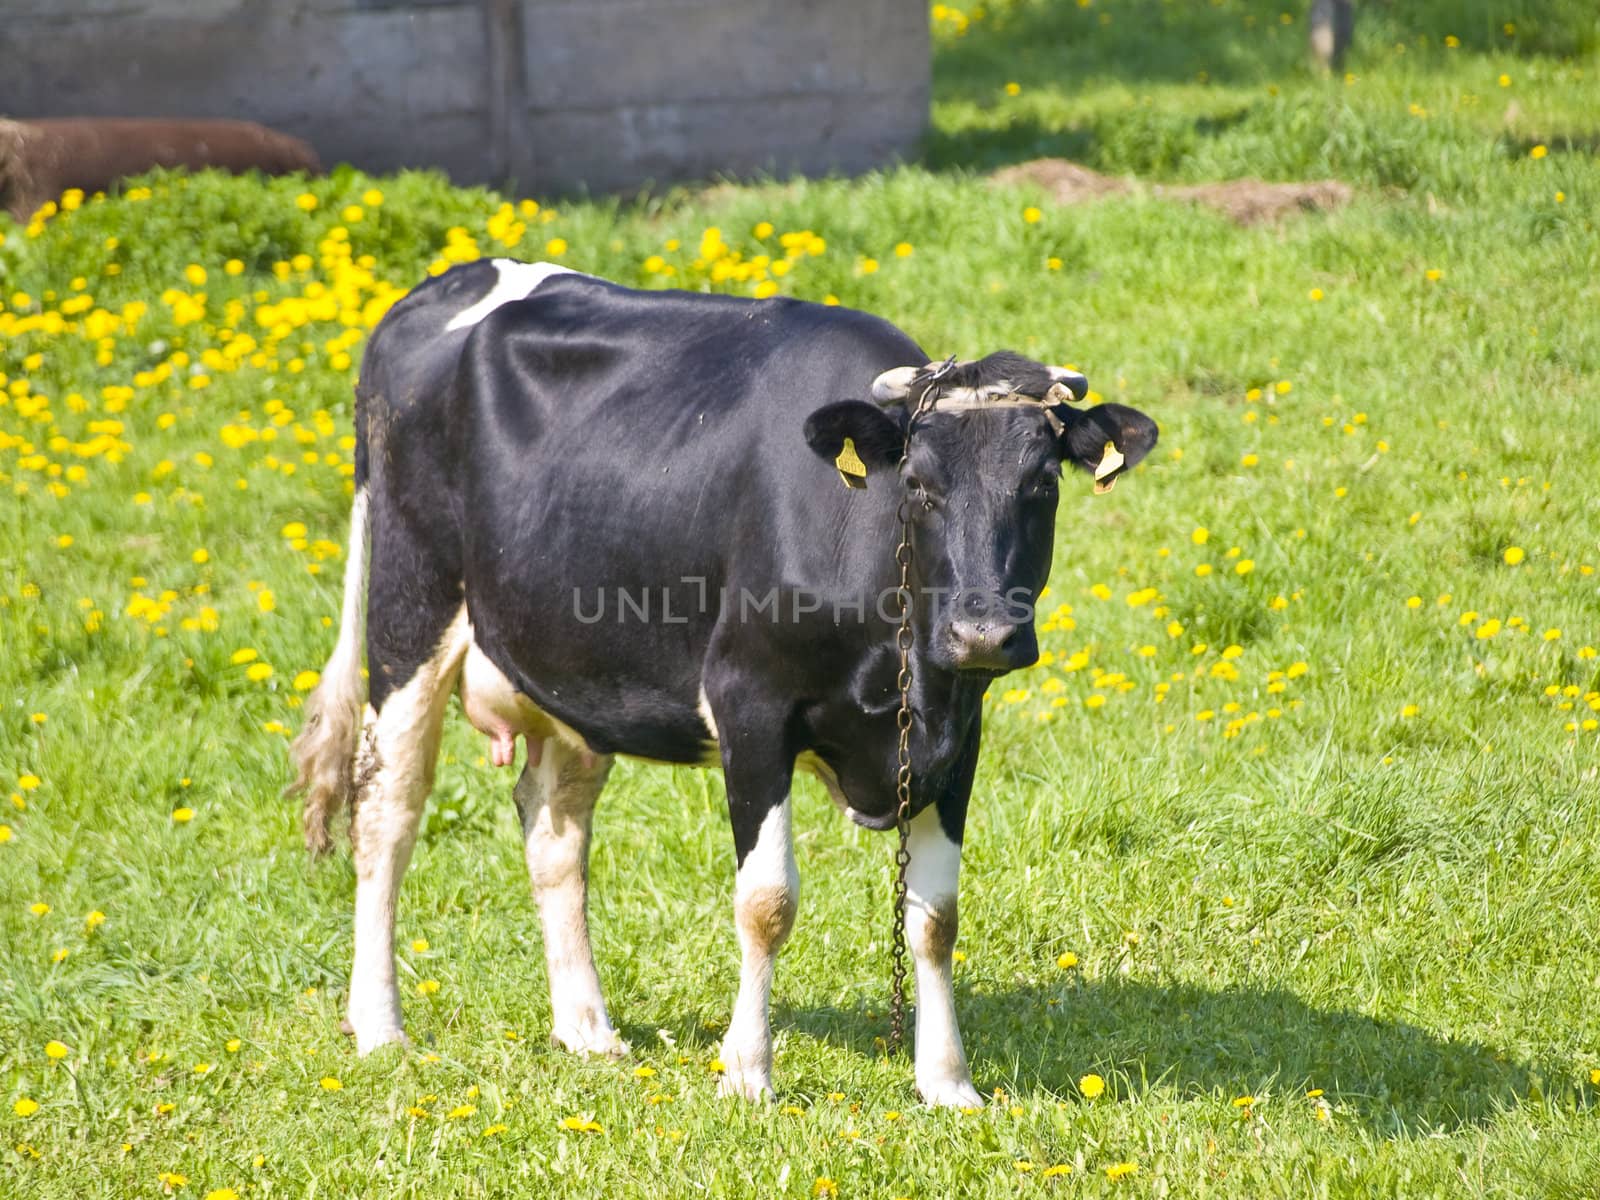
<point x="991" y="645"/>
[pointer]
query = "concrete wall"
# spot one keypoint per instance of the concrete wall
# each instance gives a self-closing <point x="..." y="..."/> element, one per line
<point x="555" y="94"/>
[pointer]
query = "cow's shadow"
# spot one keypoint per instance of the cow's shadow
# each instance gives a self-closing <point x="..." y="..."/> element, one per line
<point x="1393" y="1077"/>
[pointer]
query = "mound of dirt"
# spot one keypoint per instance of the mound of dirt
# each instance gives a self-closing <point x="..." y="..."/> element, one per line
<point x="1242" y="201"/>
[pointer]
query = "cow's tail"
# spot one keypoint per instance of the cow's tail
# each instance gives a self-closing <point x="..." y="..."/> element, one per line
<point x="324" y="753"/>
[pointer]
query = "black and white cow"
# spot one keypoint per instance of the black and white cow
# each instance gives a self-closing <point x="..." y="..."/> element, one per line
<point x="618" y="522"/>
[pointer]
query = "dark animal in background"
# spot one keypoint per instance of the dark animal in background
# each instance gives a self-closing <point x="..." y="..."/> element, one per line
<point x="41" y="159"/>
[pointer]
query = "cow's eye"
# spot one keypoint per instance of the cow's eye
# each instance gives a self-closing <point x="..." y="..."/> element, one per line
<point x="1042" y="488"/>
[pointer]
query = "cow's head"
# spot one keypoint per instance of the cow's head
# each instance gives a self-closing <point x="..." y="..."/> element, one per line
<point x="980" y="472"/>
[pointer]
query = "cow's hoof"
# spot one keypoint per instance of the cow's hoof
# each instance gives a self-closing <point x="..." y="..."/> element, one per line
<point x="949" y="1093"/>
<point x="747" y="1085"/>
<point x="604" y="1043"/>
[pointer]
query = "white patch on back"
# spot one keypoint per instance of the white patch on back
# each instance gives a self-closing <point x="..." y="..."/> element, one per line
<point x="517" y="281"/>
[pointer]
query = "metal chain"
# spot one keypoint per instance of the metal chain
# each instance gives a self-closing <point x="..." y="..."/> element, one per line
<point x="902" y="786"/>
<point x="903" y="641"/>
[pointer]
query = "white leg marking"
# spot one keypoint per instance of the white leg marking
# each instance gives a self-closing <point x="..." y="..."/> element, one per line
<point x="707" y="716"/>
<point x="555" y="797"/>
<point x="394" y="772"/>
<point x="931" y="885"/>
<point x="517" y="281"/>
<point x="766" y="895"/>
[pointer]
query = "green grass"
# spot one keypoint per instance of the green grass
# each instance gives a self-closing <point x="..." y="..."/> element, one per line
<point x="1397" y="906"/>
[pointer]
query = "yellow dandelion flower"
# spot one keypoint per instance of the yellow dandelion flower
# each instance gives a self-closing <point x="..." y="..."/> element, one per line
<point x="23" y="1106"/>
<point x="259" y="672"/>
<point x="1032" y="214"/>
<point x="306" y="680"/>
<point x="825" y="1188"/>
<point x="330" y="1084"/>
<point x="222" y="1194"/>
<point x="1121" y="1170"/>
<point x="182" y="815"/>
<point x="1092" y="1086"/>
<point x="1513" y="555"/>
<point x="56" y="1050"/>
<point x="1067" y="960"/>
<point x="428" y="987"/>
<point x="1539" y="151"/>
<point x="94" y="920"/>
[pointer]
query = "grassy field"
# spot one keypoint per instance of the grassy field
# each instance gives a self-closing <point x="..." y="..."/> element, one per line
<point x="1292" y="839"/>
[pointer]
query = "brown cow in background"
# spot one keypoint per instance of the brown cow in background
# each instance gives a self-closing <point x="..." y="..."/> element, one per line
<point x="41" y="159"/>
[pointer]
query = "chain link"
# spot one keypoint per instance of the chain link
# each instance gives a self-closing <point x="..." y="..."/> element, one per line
<point x="903" y="641"/>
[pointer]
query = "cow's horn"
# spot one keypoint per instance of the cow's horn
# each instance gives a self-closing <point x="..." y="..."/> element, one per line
<point x="894" y="385"/>
<point x="1074" y="381"/>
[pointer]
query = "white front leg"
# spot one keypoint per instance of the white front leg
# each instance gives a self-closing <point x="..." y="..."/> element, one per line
<point x="766" y="895"/>
<point x="931" y="884"/>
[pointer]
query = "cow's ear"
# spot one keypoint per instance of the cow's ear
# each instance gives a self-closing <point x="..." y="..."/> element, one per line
<point x="1105" y="440"/>
<point x="879" y="439"/>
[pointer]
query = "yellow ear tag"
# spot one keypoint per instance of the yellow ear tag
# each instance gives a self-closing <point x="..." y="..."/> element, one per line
<point x="851" y="469"/>
<point x="1110" y="459"/>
